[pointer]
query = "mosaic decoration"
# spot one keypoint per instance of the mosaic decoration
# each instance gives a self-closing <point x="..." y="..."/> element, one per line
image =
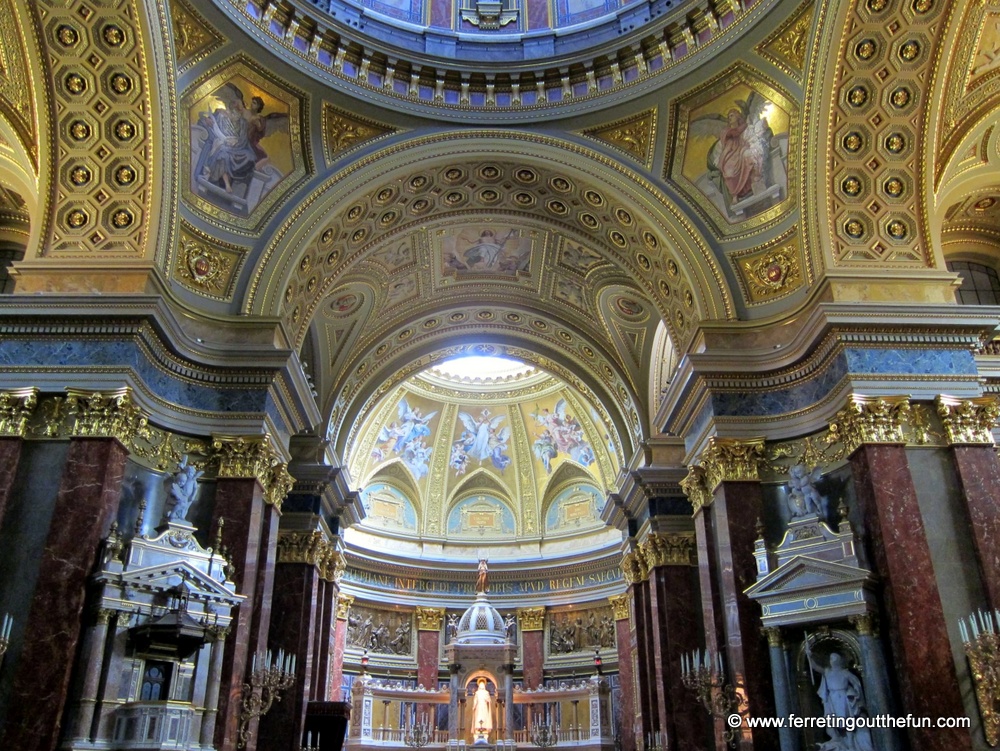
<point x="499" y="250"/>
<point x="481" y="516"/>
<point x="406" y="437"/>
<point x="387" y="507"/>
<point x="732" y="151"/>
<point x="558" y="434"/>
<point x="483" y="437"/>
<point x="575" y="507"/>
<point x="244" y="144"/>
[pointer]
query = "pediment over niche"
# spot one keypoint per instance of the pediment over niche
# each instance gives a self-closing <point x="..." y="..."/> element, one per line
<point x="165" y="578"/>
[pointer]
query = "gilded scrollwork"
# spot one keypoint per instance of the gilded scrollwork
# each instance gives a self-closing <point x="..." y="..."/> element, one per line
<point x="633" y="136"/>
<point x="312" y="548"/>
<point x="344" y="603"/>
<point x="253" y="457"/>
<point x="695" y="489"/>
<point x="16" y="408"/>
<point x="969" y="421"/>
<point x="634" y="568"/>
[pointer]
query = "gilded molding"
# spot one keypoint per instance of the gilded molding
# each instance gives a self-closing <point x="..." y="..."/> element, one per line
<point x="430" y="619"/>
<point x="732" y="460"/>
<point x="106" y="415"/>
<point x="620" y="606"/>
<point x="634" y="568"/>
<point x="661" y="549"/>
<point x="16" y="408"/>
<point x="333" y="566"/>
<point x="344" y="603"/>
<point x="968" y="421"/>
<point x="531" y="619"/>
<point x="694" y="488"/>
<point x="344" y="131"/>
<point x="787" y="46"/>
<point x="869" y="420"/>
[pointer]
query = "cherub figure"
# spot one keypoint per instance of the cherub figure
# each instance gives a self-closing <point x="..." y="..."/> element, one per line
<point x="183" y="489"/>
<point x="803" y="498"/>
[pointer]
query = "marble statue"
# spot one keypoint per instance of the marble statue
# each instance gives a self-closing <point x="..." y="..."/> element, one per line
<point x="482" y="711"/>
<point x="803" y="498"/>
<point x="183" y="489"/>
<point x="482" y="579"/>
<point x="842" y="695"/>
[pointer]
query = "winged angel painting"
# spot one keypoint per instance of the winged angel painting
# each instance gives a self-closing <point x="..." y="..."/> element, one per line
<point x="404" y="437"/>
<point x="230" y="142"/>
<point x="483" y="438"/>
<point x="744" y="170"/>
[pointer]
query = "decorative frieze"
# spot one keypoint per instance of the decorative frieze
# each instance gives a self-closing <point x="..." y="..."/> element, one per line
<point x="16" y="408"/>
<point x="661" y="549"/>
<point x="531" y="619"/>
<point x="869" y="420"/>
<point x="620" y="606"/>
<point x="430" y="619"/>
<point x="732" y="460"/>
<point x="968" y="421"/>
<point x="106" y="415"/>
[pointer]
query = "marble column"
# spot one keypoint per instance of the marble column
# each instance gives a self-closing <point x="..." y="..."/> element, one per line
<point x="672" y="561"/>
<point x="731" y="474"/>
<point x="783" y="689"/>
<point x="875" y="681"/>
<point x="429" y="622"/>
<point x="208" y="720"/>
<point x="645" y="721"/>
<point x="530" y="625"/>
<point x="16" y="408"/>
<point x="626" y="670"/>
<point x="92" y="654"/>
<point x="339" y="647"/>
<point x="968" y="426"/>
<point x="912" y="606"/>
<point x="85" y="506"/>
<point x="325" y="638"/>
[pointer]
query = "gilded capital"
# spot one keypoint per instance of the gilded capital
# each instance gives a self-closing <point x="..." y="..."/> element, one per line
<point x="106" y="415"/>
<point x="311" y="548"/>
<point x="969" y="421"/>
<point x="104" y="616"/>
<point x="634" y="568"/>
<point x="244" y="457"/>
<point x="865" y="624"/>
<point x="277" y="484"/>
<point x="869" y="420"/>
<point x="333" y="565"/>
<point x="531" y="619"/>
<point x="344" y="603"/>
<point x="620" y="606"/>
<point x="731" y="460"/>
<point x="694" y="488"/>
<point x="774" y="637"/>
<point x="677" y="549"/>
<point x="430" y="619"/>
<point x="16" y="408"/>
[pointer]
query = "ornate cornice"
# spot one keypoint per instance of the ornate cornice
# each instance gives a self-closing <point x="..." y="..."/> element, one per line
<point x="620" y="606"/>
<point x="676" y="549"/>
<point x="968" y="421"/>
<point x="634" y="568"/>
<point x="531" y="619"/>
<point x="430" y="619"/>
<point x="106" y="415"/>
<point x="695" y="489"/>
<point x="869" y="420"/>
<point x="344" y="603"/>
<point x="16" y="408"/>
<point x="732" y="460"/>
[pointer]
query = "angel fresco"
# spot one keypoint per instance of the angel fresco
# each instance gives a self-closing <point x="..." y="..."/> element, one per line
<point x="746" y="163"/>
<point x="482" y="439"/>
<point x="231" y="167"/>
<point x="560" y="433"/>
<point x="404" y="437"/>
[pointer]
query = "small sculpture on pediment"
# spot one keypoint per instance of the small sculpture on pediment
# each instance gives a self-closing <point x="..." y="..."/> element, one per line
<point x="183" y="489"/>
<point x="803" y="498"/>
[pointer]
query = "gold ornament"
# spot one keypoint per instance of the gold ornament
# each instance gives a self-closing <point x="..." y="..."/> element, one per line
<point x="531" y="619"/>
<point x="430" y="619"/>
<point x="869" y="420"/>
<point x="620" y="606"/>
<point x="16" y="408"/>
<point x="107" y="415"/>
<point x="732" y="460"/>
<point x="969" y="421"/>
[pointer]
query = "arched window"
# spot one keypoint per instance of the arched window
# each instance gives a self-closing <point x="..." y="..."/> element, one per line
<point x="154" y="681"/>
<point x="980" y="283"/>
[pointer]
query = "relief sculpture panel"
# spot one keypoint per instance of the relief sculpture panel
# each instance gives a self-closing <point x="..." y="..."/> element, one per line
<point x="381" y="631"/>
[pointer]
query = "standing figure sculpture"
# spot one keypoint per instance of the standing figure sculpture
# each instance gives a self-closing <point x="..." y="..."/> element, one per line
<point x="482" y="579"/>
<point x="183" y="489"/>
<point x="482" y="712"/>
<point x="842" y="696"/>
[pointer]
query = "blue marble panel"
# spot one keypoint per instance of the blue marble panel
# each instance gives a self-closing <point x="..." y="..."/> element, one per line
<point x="411" y="11"/>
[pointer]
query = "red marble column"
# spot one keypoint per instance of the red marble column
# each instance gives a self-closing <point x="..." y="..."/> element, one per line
<point x="10" y="456"/>
<point x="428" y="649"/>
<point x="978" y="472"/>
<point x="85" y="505"/>
<point x="325" y="646"/>
<point x="735" y="511"/>
<point x="530" y="624"/>
<point x="626" y="671"/>
<point x="676" y="630"/>
<point x="339" y="647"/>
<point x="708" y="578"/>
<point x="294" y="622"/>
<point x="240" y="501"/>
<point x="912" y="606"/>
<point x="646" y="720"/>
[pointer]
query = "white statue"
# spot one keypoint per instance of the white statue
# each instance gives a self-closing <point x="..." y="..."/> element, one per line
<point x="183" y="489"/>
<point x="803" y="498"/>
<point x="842" y="696"/>
<point x="482" y="711"/>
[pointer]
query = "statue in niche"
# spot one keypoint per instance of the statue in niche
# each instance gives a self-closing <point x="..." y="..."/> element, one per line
<point x="842" y="695"/>
<point x="183" y="489"/>
<point x="803" y="498"/>
<point x="482" y="711"/>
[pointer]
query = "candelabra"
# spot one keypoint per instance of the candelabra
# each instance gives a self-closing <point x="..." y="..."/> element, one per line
<point x="5" y="627"/>
<point x="266" y="684"/>
<point x="705" y="676"/>
<point x="981" y="639"/>
<point x="418" y="736"/>
<point x="308" y="745"/>
<point x="543" y="735"/>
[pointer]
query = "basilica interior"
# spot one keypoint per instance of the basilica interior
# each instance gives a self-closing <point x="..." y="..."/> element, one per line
<point x="497" y="374"/>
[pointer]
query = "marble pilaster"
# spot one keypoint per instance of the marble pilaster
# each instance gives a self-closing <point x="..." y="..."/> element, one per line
<point x="10" y="456"/>
<point x="531" y="622"/>
<point x="978" y="470"/>
<point x="85" y="505"/>
<point x="626" y="670"/>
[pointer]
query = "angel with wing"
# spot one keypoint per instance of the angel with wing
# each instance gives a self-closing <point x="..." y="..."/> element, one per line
<point x="231" y="151"/>
<point x="739" y="162"/>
